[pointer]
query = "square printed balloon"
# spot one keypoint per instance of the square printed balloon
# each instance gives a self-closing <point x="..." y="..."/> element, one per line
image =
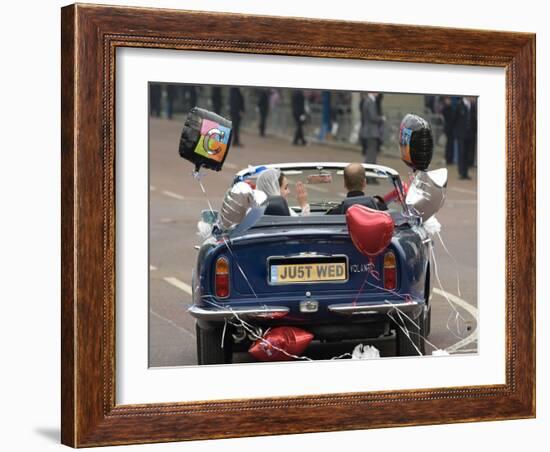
<point x="214" y="140"/>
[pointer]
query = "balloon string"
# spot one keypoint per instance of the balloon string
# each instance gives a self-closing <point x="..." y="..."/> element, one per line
<point x="223" y="332"/>
<point x="400" y="313"/>
<point x="361" y="287"/>
<point x="250" y="330"/>
<point x="401" y="324"/>
<point x="197" y="175"/>
<point x="403" y="327"/>
<point x="458" y="316"/>
<point x="405" y="330"/>
<point x="454" y="261"/>
<point x="239" y="266"/>
<point x="370" y="271"/>
<point x="408" y="298"/>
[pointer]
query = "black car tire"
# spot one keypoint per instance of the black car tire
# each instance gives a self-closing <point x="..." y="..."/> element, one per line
<point x="209" y="345"/>
<point x="428" y="312"/>
<point x="428" y="322"/>
<point x="414" y="342"/>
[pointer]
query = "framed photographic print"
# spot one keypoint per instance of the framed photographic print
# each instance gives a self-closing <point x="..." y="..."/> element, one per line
<point x="318" y="224"/>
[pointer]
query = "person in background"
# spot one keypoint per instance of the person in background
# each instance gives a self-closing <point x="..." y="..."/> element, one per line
<point x="429" y="103"/>
<point x="274" y="183"/>
<point x="216" y="99"/>
<point x="171" y="94"/>
<point x="274" y="98"/>
<point x="466" y="134"/>
<point x="263" y="107"/>
<point x="236" y="109"/>
<point x="471" y="143"/>
<point x="381" y="127"/>
<point x="275" y="109"/>
<point x="190" y="95"/>
<point x="370" y="129"/>
<point x="327" y="116"/>
<point x="154" y="99"/>
<point x="299" y="115"/>
<point x="448" y="113"/>
<point x="362" y="139"/>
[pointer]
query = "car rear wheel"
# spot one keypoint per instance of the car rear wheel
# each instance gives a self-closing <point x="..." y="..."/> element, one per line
<point x="428" y="321"/>
<point x="428" y="313"/>
<point x="412" y="343"/>
<point x="209" y="345"/>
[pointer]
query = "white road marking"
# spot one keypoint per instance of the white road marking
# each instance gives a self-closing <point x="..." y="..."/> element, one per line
<point x="472" y="310"/>
<point x="179" y="284"/>
<point x="459" y="301"/>
<point x="171" y="194"/>
<point x="153" y="268"/>
<point x="462" y="190"/>
<point x="180" y="328"/>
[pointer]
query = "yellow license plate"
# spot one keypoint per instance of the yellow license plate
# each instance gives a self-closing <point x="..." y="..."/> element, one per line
<point x="296" y="273"/>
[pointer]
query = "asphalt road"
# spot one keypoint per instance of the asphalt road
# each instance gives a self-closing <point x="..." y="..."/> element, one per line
<point x="176" y="201"/>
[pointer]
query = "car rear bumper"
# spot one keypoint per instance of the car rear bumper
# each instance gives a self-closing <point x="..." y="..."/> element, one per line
<point x="359" y="310"/>
<point x="217" y="314"/>
<point x="411" y="308"/>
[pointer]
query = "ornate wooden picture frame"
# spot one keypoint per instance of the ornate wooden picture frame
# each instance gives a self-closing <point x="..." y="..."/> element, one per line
<point x="90" y="37"/>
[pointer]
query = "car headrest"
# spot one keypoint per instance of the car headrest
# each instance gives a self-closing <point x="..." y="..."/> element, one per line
<point x="367" y="201"/>
<point x="276" y="205"/>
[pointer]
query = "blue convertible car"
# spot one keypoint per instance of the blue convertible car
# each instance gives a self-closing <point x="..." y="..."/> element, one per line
<point x="276" y="269"/>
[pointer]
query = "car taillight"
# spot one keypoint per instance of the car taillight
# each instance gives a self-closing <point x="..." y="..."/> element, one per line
<point x="221" y="278"/>
<point x="390" y="271"/>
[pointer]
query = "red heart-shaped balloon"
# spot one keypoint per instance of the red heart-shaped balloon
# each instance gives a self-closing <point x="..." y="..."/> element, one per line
<point x="370" y="230"/>
<point x="277" y="341"/>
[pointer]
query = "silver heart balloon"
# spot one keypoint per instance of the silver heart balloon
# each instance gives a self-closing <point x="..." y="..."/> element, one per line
<point x="236" y="203"/>
<point x="426" y="194"/>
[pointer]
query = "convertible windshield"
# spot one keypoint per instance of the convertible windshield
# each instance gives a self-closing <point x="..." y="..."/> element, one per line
<point x="326" y="188"/>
